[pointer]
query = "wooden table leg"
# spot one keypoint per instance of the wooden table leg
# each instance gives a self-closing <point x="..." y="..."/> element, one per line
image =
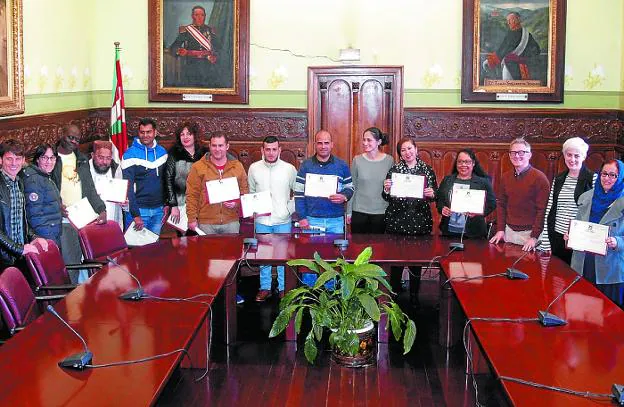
<point x="451" y="317"/>
<point x="197" y="351"/>
<point x="230" y="308"/>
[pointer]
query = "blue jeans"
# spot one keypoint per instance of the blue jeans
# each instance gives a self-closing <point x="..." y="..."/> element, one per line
<point x="265" y="271"/>
<point x="152" y="218"/>
<point x="331" y="225"/>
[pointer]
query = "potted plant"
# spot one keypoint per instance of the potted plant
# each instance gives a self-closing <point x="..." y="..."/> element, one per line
<point x="346" y="309"/>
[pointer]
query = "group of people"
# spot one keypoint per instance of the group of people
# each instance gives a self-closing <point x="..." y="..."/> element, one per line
<point x="529" y="211"/>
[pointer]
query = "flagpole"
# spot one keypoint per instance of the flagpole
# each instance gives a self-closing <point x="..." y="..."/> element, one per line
<point x="119" y="132"/>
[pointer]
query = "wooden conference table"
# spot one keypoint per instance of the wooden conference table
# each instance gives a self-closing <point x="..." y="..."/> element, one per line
<point x="586" y="354"/>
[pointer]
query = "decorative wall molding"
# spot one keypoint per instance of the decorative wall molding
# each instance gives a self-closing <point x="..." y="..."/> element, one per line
<point x="250" y="126"/>
<point x="503" y="125"/>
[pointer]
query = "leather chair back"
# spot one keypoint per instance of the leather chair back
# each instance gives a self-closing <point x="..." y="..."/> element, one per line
<point x="17" y="301"/>
<point x="47" y="267"/>
<point x="99" y="241"/>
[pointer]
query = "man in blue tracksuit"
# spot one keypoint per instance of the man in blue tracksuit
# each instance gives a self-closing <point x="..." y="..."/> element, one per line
<point x="319" y="211"/>
<point x="142" y="165"/>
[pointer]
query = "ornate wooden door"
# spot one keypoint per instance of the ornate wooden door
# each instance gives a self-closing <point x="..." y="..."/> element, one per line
<point x="346" y="100"/>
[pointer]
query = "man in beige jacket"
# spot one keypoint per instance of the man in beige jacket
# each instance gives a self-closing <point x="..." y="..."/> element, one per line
<point x="219" y="217"/>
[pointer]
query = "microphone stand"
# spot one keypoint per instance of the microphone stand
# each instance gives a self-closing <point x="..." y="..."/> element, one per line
<point x="343" y="243"/>
<point x="79" y="360"/>
<point x="548" y="319"/>
<point x="459" y="246"/>
<point x="252" y="242"/>
<point x="132" y="295"/>
<point x="513" y="273"/>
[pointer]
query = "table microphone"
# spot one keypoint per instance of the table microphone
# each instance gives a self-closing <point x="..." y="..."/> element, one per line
<point x="459" y="246"/>
<point x="252" y="242"/>
<point x="548" y="319"/>
<point x="76" y="361"/>
<point x="513" y="273"/>
<point x="132" y="295"/>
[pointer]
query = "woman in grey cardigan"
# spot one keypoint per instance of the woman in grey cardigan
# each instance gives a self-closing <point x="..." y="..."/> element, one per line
<point x="366" y="210"/>
<point x="605" y="205"/>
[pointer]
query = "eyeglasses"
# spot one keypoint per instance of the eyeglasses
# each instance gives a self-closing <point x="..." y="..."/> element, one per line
<point x="519" y="153"/>
<point x="464" y="162"/>
<point x="611" y="175"/>
<point x="47" y="158"/>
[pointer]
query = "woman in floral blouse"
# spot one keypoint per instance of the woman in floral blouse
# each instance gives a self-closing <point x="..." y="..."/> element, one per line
<point x="409" y="216"/>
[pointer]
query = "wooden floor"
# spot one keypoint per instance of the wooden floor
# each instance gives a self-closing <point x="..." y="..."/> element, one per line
<point x="261" y="372"/>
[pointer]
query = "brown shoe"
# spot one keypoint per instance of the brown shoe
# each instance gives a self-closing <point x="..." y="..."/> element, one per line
<point x="263" y="295"/>
<point x="281" y="294"/>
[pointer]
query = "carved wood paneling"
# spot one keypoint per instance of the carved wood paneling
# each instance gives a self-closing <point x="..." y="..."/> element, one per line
<point x="503" y="125"/>
<point x="486" y="129"/>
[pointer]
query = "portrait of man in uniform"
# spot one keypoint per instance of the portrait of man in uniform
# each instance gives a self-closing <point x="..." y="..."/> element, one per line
<point x="198" y="38"/>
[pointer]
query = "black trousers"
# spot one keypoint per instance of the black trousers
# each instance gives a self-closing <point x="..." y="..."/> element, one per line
<point x="557" y="246"/>
<point x="367" y="223"/>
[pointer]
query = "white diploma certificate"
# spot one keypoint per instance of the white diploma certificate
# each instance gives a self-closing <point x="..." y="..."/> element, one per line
<point x="222" y="190"/>
<point x="468" y="201"/>
<point x="259" y="203"/>
<point x="113" y="190"/>
<point x="407" y="186"/>
<point x="588" y="237"/>
<point x="139" y="237"/>
<point x="81" y="213"/>
<point x="182" y="224"/>
<point x="321" y="185"/>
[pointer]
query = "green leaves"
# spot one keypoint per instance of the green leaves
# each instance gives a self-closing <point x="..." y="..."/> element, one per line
<point x="360" y="295"/>
<point x="309" y="348"/>
<point x="370" y="306"/>
<point x="281" y="322"/>
<point x="409" y="336"/>
<point x="364" y="257"/>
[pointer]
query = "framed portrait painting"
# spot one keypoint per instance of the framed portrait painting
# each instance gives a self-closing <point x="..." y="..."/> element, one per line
<point x="199" y="51"/>
<point x="11" y="58"/>
<point x="513" y="50"/>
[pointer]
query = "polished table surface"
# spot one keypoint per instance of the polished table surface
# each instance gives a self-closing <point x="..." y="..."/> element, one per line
<point x="586" y="354"/>
<point x="115" y="330"/>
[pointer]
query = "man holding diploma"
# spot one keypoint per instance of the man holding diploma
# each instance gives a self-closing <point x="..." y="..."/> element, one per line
<point x="277" y="176"/>
<point x="219" y="217"/>
<point x="103" y="169"/>
<point x="327" y="212"/>
<point x="143" y="165"/>
<point x="72" y="177"/>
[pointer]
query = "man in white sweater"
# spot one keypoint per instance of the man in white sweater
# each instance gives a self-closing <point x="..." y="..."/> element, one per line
<point x="277" y="176"/>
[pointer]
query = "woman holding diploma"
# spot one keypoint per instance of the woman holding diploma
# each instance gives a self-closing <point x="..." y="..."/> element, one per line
<point x="467" y="174"/>
<point x="565" y="192"/>
<point x="366" y="210"/>
<point x="42" y="197"/>
<point x="605" y="205"/>
<point x="409" y="216"/>
<point x="186" y="150"/>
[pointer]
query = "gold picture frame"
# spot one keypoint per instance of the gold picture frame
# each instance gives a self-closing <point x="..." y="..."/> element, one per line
<point x="513" y="51"/>
<point x="208" y="64"/>
<point x="11" y="58"/>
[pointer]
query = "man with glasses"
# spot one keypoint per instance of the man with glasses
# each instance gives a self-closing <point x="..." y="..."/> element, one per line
<point x="521" y="201"/>
<point x="72" y="177"/>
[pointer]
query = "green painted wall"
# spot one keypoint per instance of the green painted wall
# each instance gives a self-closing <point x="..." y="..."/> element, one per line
<point x="70" y="66"/>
